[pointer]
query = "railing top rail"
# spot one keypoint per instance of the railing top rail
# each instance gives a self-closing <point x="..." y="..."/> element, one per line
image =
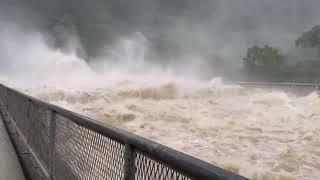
<point x="271" y="83"/>
<point x="179" y="161"/>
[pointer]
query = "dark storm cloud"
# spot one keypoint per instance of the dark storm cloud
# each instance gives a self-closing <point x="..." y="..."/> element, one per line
<point x="219" y="30"/>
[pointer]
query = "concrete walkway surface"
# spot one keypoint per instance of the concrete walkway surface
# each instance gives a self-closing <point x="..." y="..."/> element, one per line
<point x="10" y="168"/>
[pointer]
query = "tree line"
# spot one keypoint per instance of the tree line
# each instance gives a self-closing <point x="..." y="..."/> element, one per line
<point x="266" y="62"/>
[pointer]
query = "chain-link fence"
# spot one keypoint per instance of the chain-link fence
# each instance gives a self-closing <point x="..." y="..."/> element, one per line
<point x="53" y="143"/>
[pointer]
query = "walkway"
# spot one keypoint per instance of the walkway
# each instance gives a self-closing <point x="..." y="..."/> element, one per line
<point x="9" y="165"/>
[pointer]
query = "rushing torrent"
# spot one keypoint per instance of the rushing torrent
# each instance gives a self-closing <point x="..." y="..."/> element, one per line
<point x="260" y="134"/>
<point x="256" y="133"/>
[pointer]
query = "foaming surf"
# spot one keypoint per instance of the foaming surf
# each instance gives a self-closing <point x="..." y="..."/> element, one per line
<point x="256" y="133"/>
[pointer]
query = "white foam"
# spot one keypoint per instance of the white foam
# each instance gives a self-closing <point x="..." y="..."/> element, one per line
<point x="256" y="133"/>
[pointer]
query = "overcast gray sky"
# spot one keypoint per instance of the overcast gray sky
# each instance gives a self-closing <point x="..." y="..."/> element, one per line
<point x="217" y="28"/>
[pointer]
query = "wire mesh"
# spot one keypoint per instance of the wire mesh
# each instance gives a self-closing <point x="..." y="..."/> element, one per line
<point x="147" y="168"/>
<point x="18" y="107"/>
<point x="3" y="95"/>
<point x="84" y="154"/>
<point x="39" y="132"/>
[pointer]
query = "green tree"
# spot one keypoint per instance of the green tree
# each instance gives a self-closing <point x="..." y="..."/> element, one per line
<point x="309" y="67"/>
<point x="309" y="39"/>
<point x="264" y="60"/>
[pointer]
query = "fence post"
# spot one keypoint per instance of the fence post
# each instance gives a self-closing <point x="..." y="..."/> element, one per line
<point x="52" y="143"/>
<point x="129" y="166"/>
<point x="7" y="100"/>
<point x="29" y="120"/>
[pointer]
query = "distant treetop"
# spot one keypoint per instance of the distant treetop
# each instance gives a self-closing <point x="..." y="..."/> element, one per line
<point x="309" y="39"/>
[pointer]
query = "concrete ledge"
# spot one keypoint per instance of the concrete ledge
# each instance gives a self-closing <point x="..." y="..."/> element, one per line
<point x="10" y="168"/>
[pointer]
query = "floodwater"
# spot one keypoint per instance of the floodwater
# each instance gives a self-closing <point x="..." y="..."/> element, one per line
<point x="260" y="134"/>
<point x="253" y="132"/>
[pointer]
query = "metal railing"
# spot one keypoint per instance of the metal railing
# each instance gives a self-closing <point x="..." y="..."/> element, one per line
<point x="291" y="84"/>
<point x="54" y="143"/>
<point x="299" y="80"/>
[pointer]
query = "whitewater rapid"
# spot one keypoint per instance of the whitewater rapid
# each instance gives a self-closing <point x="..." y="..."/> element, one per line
<point x="257" y="133"/>
<point x="253" y="132"/>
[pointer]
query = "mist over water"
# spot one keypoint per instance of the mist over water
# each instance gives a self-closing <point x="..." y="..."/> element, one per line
<point x="253" y="132"/>
<point x="256" y="133"/>
<point x="260" y="134"/>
